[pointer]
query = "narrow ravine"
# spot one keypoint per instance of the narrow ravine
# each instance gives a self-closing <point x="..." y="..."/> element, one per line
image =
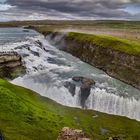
<point x="47" y="70"/>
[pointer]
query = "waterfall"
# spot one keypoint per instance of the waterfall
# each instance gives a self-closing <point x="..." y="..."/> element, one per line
<point x="99" y="99"/>
<point x="102" y="101"/>
<point x="47" y="69"/>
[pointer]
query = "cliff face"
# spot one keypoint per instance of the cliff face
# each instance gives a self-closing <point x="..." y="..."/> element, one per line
<point x="118" y="63"/>
<point x="10" y="65"/>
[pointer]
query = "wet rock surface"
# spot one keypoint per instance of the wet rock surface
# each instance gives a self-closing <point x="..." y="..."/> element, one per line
<point x="72" y="134"/>
<point x="85" y="87"/>
<point x="84" y="80"/>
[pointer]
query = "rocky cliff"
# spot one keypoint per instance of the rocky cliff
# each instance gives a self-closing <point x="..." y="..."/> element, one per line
<point x="117" y="57"/>
<point x="10" y="64"/>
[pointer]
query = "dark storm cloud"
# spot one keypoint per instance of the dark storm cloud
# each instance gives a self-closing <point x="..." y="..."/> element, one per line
<point x="66" y="9"/>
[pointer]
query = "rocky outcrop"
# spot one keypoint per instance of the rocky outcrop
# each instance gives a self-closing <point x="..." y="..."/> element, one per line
<point x="86" y="82"/>
<point x="85" y="87"/>
<point x="10" y="64"/>
<point x="119" y="64"/>
<point x="72" y="134"/>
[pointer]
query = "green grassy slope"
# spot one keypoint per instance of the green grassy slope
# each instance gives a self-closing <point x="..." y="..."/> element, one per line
<point x="25" y="115"/>
<point x="115" y="43"/>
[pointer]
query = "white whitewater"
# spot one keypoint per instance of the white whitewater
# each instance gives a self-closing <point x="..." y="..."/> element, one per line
<point x="48" y="68"/>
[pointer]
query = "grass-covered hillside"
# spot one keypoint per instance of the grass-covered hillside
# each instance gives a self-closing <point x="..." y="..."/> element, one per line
<point x="25" y="115"/>
<point x="123" y="45"/>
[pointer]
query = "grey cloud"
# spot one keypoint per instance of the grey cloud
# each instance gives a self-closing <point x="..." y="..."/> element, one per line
<point x="66" y="9"/>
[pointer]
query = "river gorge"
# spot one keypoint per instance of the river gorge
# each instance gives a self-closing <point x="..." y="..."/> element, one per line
<point x="48" y="69"/>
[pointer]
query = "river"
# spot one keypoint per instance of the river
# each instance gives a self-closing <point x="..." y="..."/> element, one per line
<point x="47" y="69"/>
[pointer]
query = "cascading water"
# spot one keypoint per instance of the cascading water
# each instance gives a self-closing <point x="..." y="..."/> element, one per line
<point x="49" y="68"/>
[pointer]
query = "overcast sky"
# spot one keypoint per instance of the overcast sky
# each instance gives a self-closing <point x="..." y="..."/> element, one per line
<point x="69" y="9"/>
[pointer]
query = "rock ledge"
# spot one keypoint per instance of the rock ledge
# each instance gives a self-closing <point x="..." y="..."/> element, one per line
<point x="72" y="134"/>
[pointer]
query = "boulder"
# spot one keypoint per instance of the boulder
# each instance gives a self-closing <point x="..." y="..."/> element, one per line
<point x="72" y="134"/>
